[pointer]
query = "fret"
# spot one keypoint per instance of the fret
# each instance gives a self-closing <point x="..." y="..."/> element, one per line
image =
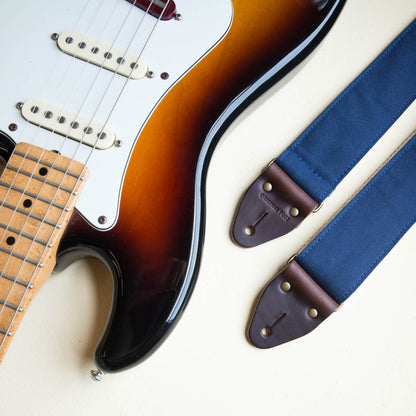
<point x="49" y="165"/>
<point x="29" y="238"/>
<point x="15" y="280"/>
<point x="30" y="214"/>
<point x="22" y="234"/>
<point x="27" y="225"/>
<point x="32" y="195"/>
<point x="9" y="305"/>
<point x="40" y="178"/>
<point x="20" y="257"/>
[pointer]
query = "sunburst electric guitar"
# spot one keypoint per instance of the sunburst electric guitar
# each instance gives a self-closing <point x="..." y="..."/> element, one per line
<point x="109" y="112"/>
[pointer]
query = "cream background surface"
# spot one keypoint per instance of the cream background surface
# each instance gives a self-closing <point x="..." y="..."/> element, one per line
<point x="359" y="362"/>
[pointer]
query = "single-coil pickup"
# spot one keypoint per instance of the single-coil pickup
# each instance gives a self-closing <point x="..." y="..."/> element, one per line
<point x="68" y="124"/>
<point x="97" y="53"/>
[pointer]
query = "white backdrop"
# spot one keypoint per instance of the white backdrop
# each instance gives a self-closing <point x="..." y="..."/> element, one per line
<point x="358" y="362"/>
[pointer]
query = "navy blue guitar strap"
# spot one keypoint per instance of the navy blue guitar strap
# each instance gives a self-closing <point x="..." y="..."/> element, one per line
<point x="338" y="260"/>
<point x="299" y="180"/>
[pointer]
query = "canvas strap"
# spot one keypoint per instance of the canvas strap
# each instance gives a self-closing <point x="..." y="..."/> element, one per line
<point x="339" y="259"/>
<point x="300" y="179"/>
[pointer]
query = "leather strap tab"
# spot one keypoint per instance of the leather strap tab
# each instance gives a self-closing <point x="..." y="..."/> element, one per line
<point x="333" y="144"/>
<point x="327" y="271"/>
<point x="272" y="206"/>
<point x="291" y="306"/>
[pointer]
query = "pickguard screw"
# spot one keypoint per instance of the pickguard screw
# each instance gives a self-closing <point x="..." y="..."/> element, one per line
<point x="102" y="219"/>
<point x="13" y="127"/>
<point x="19" y="105"/>
<point x="164" y="75"/>
<point x="54" y="36"/>
<point x="150" y="74"/>
<point x="118" y="143"/>
<point x="178" y="17"/>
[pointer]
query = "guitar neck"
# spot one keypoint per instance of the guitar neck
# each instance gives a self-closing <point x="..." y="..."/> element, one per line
<point x="38" y="191"/>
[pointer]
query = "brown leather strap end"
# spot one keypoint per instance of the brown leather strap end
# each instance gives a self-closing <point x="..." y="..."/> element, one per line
<point x="291" y="306"/>
<point x="272" y="206"/>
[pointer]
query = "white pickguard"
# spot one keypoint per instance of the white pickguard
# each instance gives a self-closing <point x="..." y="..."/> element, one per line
<point x="33" y="67"/>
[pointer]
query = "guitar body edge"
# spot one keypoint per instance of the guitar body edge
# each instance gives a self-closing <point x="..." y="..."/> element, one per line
<point x="154" y="250"/>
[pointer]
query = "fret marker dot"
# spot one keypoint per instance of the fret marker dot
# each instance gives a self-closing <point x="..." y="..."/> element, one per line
<point x="43" y="171"/>
<point x="27" y="203"/>
<point x="10" y="240"/>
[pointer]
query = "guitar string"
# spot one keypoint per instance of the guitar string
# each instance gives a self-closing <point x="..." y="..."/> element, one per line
<point x="36" y="166"/>
<point x="33" y="137"/>
<point x="65" y="206"/>
<point x="146" y="11"/>
<point x="26" y="125"/>
<point x="73" y="56"/>
<point x="84" y="167"/>
<point x="46" y="213"/>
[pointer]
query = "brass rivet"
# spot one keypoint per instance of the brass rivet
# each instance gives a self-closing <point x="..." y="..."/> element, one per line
<point x="267" y="186"/>
<point x="249" y="230"/>
<point x="294" y="212"/>
<point x="266" y="331"/>
<point x="285" y="286"/>
<point x="313" y="313"/>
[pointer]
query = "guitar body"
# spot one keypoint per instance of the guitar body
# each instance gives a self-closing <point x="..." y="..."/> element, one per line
<point x="153" y="246"/>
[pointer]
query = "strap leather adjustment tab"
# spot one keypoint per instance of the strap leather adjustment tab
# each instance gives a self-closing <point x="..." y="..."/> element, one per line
<point x="291" y="306"/>
<point x="272" y="206"/>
